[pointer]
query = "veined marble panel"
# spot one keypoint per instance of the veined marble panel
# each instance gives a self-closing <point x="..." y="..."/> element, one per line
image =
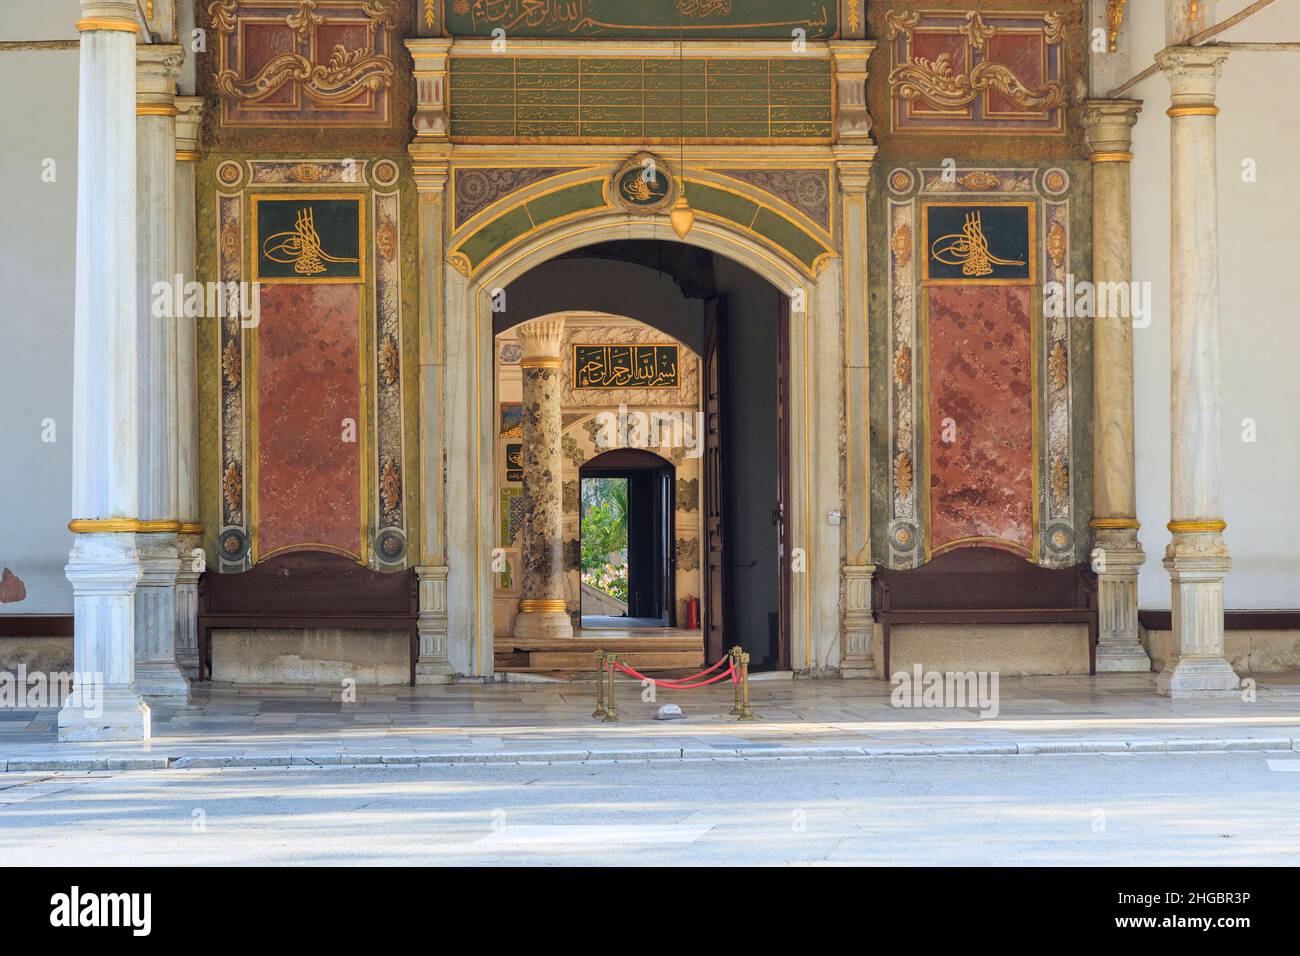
<point x="980" y="411"/>
<point x="309" y="475"/>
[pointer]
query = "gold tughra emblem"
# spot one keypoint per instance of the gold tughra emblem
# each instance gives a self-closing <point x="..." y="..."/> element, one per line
<point x="300" y="246"/>
<point x="969" y="249"/>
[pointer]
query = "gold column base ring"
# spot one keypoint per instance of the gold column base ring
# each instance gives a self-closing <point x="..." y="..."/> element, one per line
<point x="541" y="361"/>
<point x="107" y="23"/>
<point x="1114" y="524"/>
<point x="1197" y="527"/>
<point x="534" y="605"/>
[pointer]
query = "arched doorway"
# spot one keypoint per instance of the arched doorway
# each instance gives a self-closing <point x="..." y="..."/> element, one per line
<point x="715" y="427"/>
<point x="812" y="465"/>
<point x="626" y="525"/>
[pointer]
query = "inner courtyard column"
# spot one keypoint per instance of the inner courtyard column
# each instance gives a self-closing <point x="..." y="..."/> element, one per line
<point x="104" y="566"/>
<point x="1117" y="554"/>
<point x="158" y="676"/>
<point x="189" y="120"/>
<point x="542" y="611"/>
<point x="1197" y="557"/>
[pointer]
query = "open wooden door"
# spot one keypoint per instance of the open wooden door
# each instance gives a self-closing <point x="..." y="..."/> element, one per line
<point x="782" y="514"/>
<point x="715" y="598"/>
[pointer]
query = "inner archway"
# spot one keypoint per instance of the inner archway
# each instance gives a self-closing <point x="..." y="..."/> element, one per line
<point x="626" y="537"/>
<point x="722" y="430"/>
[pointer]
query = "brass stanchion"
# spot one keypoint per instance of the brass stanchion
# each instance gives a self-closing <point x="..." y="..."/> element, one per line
<point x="745" y="712"/>
<point x="600" y="685"/>
<point x="611" y="712"/>
<point x="735" y="663"/>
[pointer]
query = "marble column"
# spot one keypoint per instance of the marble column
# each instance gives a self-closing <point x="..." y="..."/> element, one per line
<point x="158" y="676"/>
<point x="104" y="566"/>
<point x="1197" y="557"/>
<point x="855" y="152"/>
<point x="1117" y="555"/>
<point x="542" y="611"/>
<point x="430" y="160"/>
<point x="189" y="120"/>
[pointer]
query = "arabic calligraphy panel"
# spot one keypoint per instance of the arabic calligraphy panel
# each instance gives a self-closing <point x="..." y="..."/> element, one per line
<point x="625" y="366"/>
<point x="308" y="239"/>
<point x="643" y="99"/>
<point x="978" y="243"/>
<point x="632" y="18"/>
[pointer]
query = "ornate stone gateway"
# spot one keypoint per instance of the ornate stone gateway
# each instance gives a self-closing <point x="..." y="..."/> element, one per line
<point x="930" y="399"/>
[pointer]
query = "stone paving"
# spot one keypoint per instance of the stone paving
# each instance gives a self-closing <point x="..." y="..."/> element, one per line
<point x="551" y="721"/>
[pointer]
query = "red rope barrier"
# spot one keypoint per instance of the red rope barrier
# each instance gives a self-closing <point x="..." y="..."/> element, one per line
<point x="682" y="680"/>
<point x="729" y="672"/>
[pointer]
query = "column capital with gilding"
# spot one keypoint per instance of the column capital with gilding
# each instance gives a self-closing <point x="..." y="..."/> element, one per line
<point x="189" y="126"/>
<point x="157" y="68"/>
<point x="430" y="165"/>
<point x="542" y="341"/>
<point x="1193" y="73"/>
<point x="119" y="16"/>
<point x="853" y="167"/>
<point x="432" y="106"/>
<point x="1108" y="128"/>
<point x="852" y="121"/>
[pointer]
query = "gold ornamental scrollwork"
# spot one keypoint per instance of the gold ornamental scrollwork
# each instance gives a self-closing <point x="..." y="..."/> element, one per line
<point x="1058" y="367"/>
<point x="903" y="366"/>
<point x="977" y="31"/>
<point x="981" y="180"/>
<point x="935" y="82"/>
<point x="1056" y="244"/>
<point x="222" y="15"/>
<point x="460" y="262"/>
<point x="900" y="23"/>
<point x="1114" y="21"/>
<point x="902" y="244"/>
<point x="345" y="74"/>
<point x="232" y="486"/>
<point x="1054" y="29"/>
<point x="339" y="80"/>
<point x="1059" y="480"/>
<point x="903" y="474"/>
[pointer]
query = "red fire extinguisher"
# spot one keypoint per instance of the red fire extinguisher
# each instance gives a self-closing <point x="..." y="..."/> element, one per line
<point x="692" y="612"/>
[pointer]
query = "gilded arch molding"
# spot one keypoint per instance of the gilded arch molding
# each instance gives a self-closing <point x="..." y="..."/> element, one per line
<point x="510" y="221"/>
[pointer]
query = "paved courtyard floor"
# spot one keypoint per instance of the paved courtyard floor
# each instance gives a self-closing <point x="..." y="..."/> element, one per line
<point x="275" y="725"/>
<point x="1114" y="810"/>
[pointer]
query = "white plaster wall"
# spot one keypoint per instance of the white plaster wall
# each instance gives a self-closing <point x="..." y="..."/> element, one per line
<point x="38" y="120"/>
<point x="1260" y="304"/>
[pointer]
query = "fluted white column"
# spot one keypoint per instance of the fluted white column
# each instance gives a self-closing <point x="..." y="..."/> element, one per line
<point x="104" y="566"/>
<point x="1117" y="555"/>
<point x="158" y="676"/>
<point x="1197" y="557"/>
<point x="189" y="119"/>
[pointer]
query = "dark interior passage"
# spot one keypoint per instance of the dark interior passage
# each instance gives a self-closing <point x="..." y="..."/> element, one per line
<point x="648" y="518"/>
<point x="679" y="289"/>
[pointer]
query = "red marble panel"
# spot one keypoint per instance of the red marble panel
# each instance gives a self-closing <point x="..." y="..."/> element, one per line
<point x="1024" y="55"/>
<point x="308" y="382"/>
<point x="981" y="377"/>
<point x="262" y="43"/>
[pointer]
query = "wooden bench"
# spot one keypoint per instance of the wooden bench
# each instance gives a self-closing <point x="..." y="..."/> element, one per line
<point x="985" y="586"/>
<point x="308" y="589"/>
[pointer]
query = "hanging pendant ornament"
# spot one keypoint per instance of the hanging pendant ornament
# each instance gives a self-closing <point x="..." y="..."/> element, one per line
<point x="682" y="216"/>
